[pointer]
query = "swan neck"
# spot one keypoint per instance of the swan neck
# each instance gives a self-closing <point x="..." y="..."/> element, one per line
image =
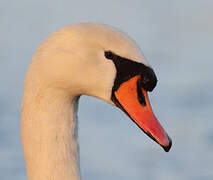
<point x="49" y="135"/>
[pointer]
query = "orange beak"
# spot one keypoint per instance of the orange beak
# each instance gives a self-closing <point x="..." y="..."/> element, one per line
<point x="131" y="98"/>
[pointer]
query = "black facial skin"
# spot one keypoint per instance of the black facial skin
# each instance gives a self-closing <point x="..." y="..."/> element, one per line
<point x="126" y="69"/>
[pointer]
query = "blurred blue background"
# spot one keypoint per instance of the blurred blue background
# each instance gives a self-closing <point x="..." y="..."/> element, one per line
<point x="177" y="40"/>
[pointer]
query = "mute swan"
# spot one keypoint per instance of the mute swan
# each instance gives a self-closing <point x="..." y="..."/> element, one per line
<point x="90" y="59"/>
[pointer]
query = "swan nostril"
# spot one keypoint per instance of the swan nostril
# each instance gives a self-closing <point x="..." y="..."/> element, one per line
<point x="141" y="97"/>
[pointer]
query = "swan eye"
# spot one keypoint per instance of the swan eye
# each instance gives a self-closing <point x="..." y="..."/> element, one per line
<point x="109" y="55"/>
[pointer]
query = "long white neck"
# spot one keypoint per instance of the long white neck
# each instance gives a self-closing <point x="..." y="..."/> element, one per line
<point x="49" y="134"/>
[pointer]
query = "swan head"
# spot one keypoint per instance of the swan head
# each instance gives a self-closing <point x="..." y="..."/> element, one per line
<point x="100" y="61"/>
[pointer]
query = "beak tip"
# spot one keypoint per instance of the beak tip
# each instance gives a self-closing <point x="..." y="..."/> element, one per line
<point x="168" y="147"/>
